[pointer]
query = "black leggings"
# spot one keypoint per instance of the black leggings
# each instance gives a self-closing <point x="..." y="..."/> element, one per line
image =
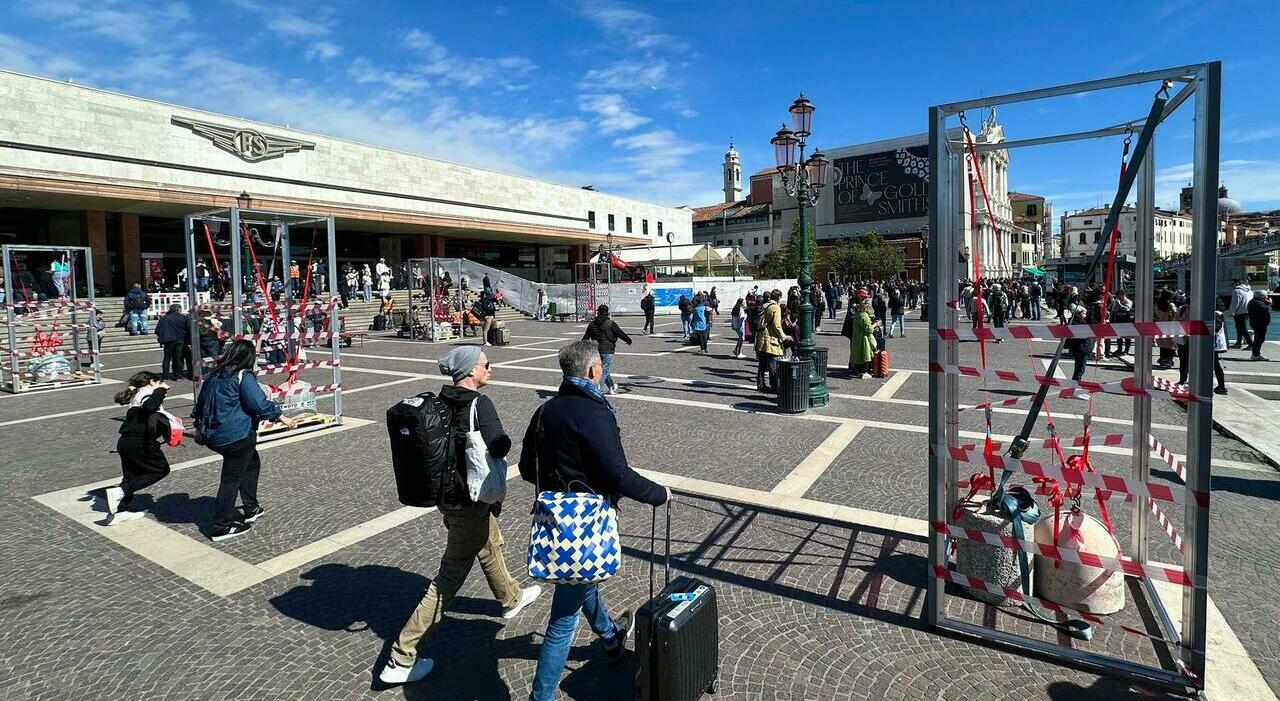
<point x="142" y="463"/>
<point x="1183" y="359"/>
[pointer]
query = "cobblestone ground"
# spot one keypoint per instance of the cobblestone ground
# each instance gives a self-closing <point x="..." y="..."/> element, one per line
<point x="810" y="608"/>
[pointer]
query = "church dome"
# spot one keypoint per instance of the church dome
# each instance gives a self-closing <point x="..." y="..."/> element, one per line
<point x="1227" y="205"/>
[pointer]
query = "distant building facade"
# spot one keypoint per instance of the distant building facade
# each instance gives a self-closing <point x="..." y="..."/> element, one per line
<point x="1082" y="231"/>
<point x="1033" y="221"/>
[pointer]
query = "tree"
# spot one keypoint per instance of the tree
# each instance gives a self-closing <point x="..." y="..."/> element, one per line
<point x="785" y="263"/>
<point x="867" y="256"/>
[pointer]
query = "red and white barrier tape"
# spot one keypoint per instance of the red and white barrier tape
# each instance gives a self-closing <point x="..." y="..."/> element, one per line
<point x="49" y="305"/>
<point x="255" y="306"/>
<point x="1172" y="575"/>
<point x="1059" y="331"/>
<point x="287" y="336"/>
<point x="276" y="393"/>
<point x="1174" y="536"/>
<point x="1107" y="439"/>
<point x="290" y="367"/>
<point x="1025" y="399"/>
<point x="1178" y="467"/>
<point x="1097" y="480"/>
<point x="28" y="354"/>
<point x="950" y="575"/>
<point x="1127" y="386"/>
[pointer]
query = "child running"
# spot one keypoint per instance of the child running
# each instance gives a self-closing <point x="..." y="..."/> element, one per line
<point x="146" y="427"/>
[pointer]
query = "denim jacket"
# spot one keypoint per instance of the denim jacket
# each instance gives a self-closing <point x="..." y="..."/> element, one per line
<point x="229" y="408"/>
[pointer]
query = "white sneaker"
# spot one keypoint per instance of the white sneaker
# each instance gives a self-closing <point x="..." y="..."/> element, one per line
<point x="399" y="674"/>
<point x="122" y="516"/>
<point x="527" y="596"/>
<point x="112" y="498"/>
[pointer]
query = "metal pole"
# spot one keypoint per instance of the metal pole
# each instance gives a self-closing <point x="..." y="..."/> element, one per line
<point x="1200" y="414"/>
<point x="1144" y="290"/>
<point x="237" y="294"/>
<point x="11" y="297"/>
<point x="941" y="263"/>
<point x="818" y="396"/>
<point x="93" y="312"/>
<point x="335" y="341"/>
<point x="193" y="309"/>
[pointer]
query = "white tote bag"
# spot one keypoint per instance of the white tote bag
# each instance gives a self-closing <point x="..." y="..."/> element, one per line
<point x="486" y="475"/>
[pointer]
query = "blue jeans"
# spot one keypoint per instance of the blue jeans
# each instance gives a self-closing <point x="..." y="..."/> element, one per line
<point x="685" y="324"/>
<point x="606" y="361"/>
<point x="566" y="602"/>
<point x="899" y="321"/>
<point x="137" y="322"/>
<point x="766" y="363"/>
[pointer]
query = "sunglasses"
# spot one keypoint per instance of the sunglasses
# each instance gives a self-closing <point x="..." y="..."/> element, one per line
<point x="486" y="365"/>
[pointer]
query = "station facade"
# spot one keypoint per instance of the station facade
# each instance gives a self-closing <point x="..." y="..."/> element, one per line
<point x="83" y="166"/>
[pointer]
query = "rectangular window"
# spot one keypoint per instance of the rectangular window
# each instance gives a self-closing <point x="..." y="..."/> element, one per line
<point x="644" y="226"/>
<point x="755" y="241"/>
<point x="610" y="222"/>
<point x="628" y="225"/>
<point x="659" y="229"/>
<point x="766" y="240"/>
<point x="739" y="243"/>
<point x="1087" y="222"/>
<point x="591" y="220"/>
<point x="1031" y="210"/>
<point x="1097" y="236"/>
<point x="1082" y="235"/>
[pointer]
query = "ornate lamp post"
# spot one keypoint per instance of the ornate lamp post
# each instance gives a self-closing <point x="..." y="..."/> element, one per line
<point x="803" y="179"/>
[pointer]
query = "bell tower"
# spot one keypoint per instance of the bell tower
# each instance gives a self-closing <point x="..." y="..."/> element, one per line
<point x="732" y="175"/>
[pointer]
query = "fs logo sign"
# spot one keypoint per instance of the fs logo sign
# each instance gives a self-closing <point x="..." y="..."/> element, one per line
<point x="248" y="144"/>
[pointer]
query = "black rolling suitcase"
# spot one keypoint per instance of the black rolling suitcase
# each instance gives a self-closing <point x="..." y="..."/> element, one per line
<point x="677" y="635"/>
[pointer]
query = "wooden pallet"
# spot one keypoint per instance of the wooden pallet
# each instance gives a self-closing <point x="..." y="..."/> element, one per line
<point x="306" y="423"/>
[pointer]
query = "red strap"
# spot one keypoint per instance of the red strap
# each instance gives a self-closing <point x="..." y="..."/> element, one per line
<point x="257" y="270"/>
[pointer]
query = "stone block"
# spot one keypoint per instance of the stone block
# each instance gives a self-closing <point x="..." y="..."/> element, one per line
<point x="1089" y="589"/>
<point x="989" y="563"/>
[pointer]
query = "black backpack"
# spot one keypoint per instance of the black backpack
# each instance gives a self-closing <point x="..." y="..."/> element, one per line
<point x="423" y="452"/>
<point x="756" y="319"/>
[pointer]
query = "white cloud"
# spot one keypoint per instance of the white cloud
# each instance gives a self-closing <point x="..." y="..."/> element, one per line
<point x="323" y="50"/>
<point x="1244" y="136"/>
<point x="18" y="55"/>
<point x="656" y="152"/>
<point x="1254" y="182"/>
<point x="627" y="74"/>
<point x="612" y="113"/>
<point x="637" y="29"/>
<point x="292" y="25"/>
<point x="364" y="72"/>
<point x="136" y="23"/>
<point x="504" y="72"/>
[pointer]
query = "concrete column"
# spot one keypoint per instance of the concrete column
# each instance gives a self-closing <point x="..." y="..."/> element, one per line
<point x="95" y="237"/>
<point x="437" y="246"/>
<point x="130" y="249"/>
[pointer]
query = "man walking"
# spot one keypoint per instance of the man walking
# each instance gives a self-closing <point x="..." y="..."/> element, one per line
<point x="573" y="444"/>
<point x="1241" y="293"/>
<point x="1259" y="312"/>
<point x="489" y="312"/>
<point x="472" y="529"/>
<point x="605" y="332"/>
<point x="171" y="332"/>
<point x="136" y="304"/>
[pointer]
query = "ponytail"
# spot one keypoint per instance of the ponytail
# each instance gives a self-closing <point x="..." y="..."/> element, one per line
<point x="137" y="382"/>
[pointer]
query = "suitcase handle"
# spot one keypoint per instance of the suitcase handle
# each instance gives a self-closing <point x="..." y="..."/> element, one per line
<point x="653" y="546"/>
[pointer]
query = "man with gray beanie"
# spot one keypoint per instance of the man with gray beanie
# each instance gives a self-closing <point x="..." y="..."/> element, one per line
<point x="472" y="527"/>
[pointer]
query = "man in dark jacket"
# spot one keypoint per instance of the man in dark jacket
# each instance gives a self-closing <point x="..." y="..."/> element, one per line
<point x="573" y="444"/>
<point x="171" y="332"/>
<point x="136" y="305"/>
<point x="472" y="527"/>
<point x="605" y="332"/>
<point x="1259" y="311"/>
<point x="647" y="306"/>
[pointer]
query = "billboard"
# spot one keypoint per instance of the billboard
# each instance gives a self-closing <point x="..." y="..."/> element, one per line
<point x="886" y="185"/>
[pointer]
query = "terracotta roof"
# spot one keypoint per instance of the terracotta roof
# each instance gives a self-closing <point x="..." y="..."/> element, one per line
<point x="728" y="210"/>
<point x="764" y="171"/>
<point x="1022" y="197"/>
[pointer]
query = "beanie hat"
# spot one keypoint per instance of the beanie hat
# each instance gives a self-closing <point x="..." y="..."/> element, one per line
<point x="459" y="362"/>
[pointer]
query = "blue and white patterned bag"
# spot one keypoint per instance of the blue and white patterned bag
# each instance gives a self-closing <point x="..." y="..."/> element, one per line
<point x="573" y="538"/>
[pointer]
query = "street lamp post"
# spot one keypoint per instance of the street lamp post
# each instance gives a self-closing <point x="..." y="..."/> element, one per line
<point x="803" y="179"/>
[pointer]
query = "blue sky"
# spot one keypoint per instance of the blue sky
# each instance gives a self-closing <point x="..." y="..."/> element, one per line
<point x="641" y="98"/>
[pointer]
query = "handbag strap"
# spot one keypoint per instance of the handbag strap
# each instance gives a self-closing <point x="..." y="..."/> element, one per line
<point x="471" y="423"/>
<point x="653" y="548"/>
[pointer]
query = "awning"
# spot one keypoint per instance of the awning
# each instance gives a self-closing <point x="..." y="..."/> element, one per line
<point x="1033" y="270"/>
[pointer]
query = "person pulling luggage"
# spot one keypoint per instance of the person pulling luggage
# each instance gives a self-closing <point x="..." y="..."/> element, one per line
<point x="573" y="444"/>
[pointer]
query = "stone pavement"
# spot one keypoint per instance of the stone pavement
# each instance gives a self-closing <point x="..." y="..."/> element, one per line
<point x="808" y="526"/>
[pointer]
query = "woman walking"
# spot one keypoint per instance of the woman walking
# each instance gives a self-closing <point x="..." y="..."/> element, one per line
<point x="699" y="319"/>
<point x="146" y="427"/>
<point x="226" y="415"/>
<point x="605" y="332"/>
<point x="737" y="323"/>
<point x="861" y="329"/>
<point x="1165" y="311"/>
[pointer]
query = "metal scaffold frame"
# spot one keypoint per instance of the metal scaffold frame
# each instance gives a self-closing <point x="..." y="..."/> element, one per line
<point x="289" y="324"/>
<point x="437" y="305"/>
<point x="590" y="288"/>
<point x="80" y="315"/>
<point x="947" y="200"/>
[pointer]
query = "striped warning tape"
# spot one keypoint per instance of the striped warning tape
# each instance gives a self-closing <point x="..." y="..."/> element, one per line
<point x="287" y="336"/>
<point x="1126" y="386"/>
<point x="1107" y="439"/>
<point x="277" y="393"/>
<point x="950" y="575"/>
<point x="49" y="305"/>
<point x="1173" y="575"/>
<point x="1097" y="480"/>
<point x="1059" y="331"/>
<point x="1025" y="399"/>
<point x="290" y="367"/>
<point x="1179" y="468"/>
<point x="332" y="304"/>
